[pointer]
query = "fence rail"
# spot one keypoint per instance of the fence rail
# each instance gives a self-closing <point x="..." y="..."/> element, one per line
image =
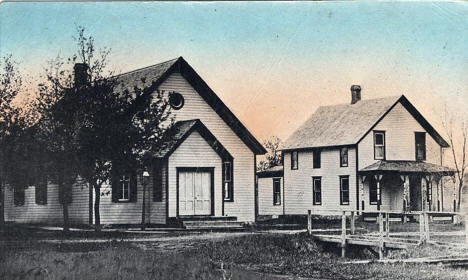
<point x="383" y="219"/>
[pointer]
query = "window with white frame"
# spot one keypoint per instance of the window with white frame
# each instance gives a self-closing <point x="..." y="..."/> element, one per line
<point x="228" y="188"/>
<point x="317" y="190"/>
<point x="344" y="190"/>
<point x="294" y="160"/>
<point x="344" y="157"/>
<point x="379" y="145"/>
<point x="420" y="142"/>
<point x="276" y="191"/>
<point x="124" y="188"/>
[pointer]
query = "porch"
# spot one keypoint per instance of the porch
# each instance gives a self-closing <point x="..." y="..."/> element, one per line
<point x="405" y="186"/>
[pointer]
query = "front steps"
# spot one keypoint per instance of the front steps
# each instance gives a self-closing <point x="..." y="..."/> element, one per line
<point x="212" y="223"/>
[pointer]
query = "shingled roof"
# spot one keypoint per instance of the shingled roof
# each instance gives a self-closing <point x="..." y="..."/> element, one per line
<point x="156" y="74"/>
<point x="406" y="166"/>
<point x="347" y="124"/>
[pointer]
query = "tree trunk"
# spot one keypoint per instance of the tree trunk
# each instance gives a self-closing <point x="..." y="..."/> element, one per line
<point x="97" y="201"/>
<point x="63" y="197"/>
<point x="143" y="210"/>
<point x="460" y="188"/>
<point x="66" y="220"/>
<point x="2" y="205"/>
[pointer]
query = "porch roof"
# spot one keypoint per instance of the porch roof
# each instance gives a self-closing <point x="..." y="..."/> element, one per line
<point x="407" y="166"/>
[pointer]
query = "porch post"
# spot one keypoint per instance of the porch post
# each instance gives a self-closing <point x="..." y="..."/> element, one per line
<point x="437" y="181"/>
<point x="423" y="194"/>
<point x="363" y="180"/>
<point x="378" y="179"/>
<point x="406" y="192"/>
<point x="429" y="191"/>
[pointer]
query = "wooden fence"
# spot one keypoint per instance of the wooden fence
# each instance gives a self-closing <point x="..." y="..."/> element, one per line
<point x="383" y="240"/>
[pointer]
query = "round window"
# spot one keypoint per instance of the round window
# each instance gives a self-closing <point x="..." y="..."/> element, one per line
<point x="176" y="100"/>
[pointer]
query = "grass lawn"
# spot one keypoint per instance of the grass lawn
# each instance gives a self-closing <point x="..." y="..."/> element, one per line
<point x="299" y="255"/>
<point x="295" y="255"/>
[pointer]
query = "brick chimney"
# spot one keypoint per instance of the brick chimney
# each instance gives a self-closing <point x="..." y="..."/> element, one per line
<point x="81" y="74"/>
<point x="355" y="93"/>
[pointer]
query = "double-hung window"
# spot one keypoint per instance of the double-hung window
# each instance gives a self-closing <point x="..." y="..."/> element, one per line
<point x="344" y="190"/>
<point x="379" y="145"/>
<point x="18" y="196"/>
<point x="276" y="191"/>
<point x="123" y="193"/>
<point x="228" y="189"/>
<point x="344" y="157"/>
<point x="124" y="183"/>
<point x="317" y="190"/>
<point x="317" y="159"/>
<point x="294" y="160"/>
<point x="373" y="193"/>
<point x="420" y="141"/>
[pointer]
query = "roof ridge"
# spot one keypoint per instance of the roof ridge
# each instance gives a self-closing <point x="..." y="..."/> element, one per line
<point x="357" y="103"/>
<point x="147" y="67"/>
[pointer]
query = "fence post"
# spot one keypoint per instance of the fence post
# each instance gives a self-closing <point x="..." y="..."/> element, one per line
<point x="343" y="234"/>
<point x="353" y="220"/>
<point x="381" y="233"/>
<point x="309" y="222"/>
<point x="421" y="228"/>
<point x="387" y="224"/>
<point x="426" y="226"/>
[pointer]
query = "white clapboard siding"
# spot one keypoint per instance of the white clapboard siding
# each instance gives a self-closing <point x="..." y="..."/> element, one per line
<point x="158" y="209"/>
<point x="399" y="126"/>
<point x="195" y="107"/>
<point x="131" y="212"/>
<point x="298" y="183"/>
<point x="50" y="213"/>
<point x="265" y="197"/>
<point x="195" y="152"/>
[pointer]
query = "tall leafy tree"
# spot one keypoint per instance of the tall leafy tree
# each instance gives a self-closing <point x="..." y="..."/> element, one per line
<point x="120" y="128"/>
<point x="89" y="123"/>
<point x="56" y="130"/>
<point x="11" y="124"/>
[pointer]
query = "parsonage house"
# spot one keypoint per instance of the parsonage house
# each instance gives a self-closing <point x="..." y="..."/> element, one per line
<point x="207" y="171"/>
<point x="376" y="154"/>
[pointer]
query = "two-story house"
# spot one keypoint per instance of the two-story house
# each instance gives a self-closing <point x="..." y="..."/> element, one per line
<point x="206" y="171"/>
<point x="376" y="154"/>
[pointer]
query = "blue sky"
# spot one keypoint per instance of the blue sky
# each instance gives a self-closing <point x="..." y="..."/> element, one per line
<point x="272" y="63"/>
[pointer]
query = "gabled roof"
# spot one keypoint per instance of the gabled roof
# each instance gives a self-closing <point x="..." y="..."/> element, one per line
<point x="406" y="166"/>
<point x="181" y="130"/>
<point x="348" y="124"/>
<point x="156" y="74"/>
